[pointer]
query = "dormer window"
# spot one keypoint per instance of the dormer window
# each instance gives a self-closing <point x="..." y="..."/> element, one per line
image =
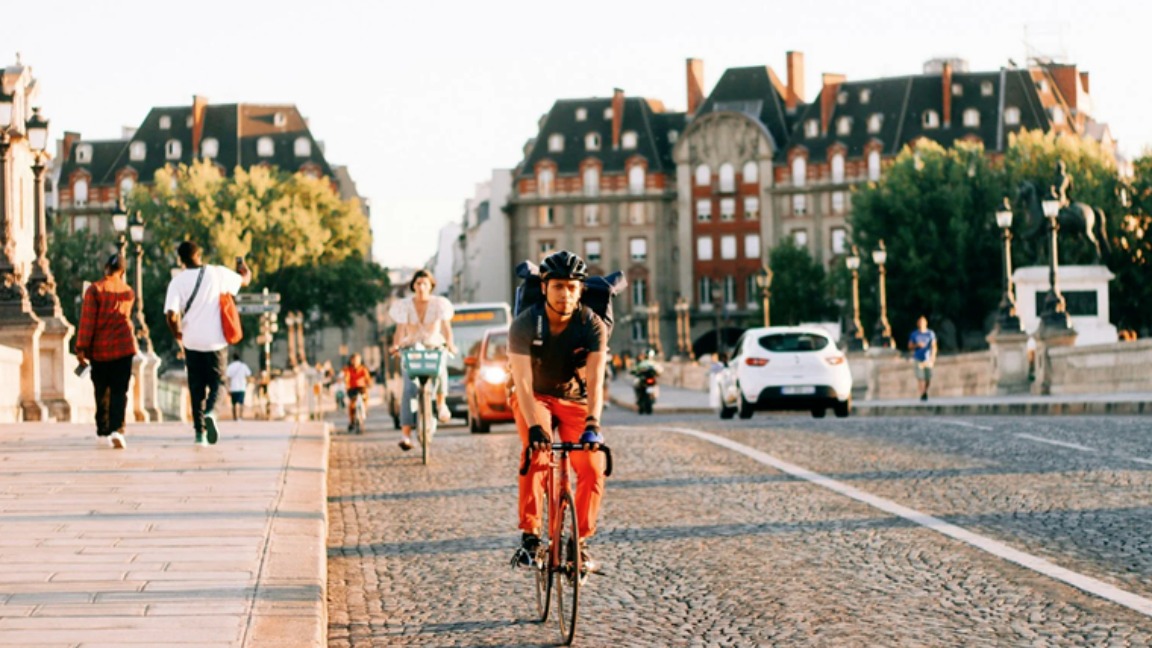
<point x="1057" y="114"/>
<point x="265" y="147"/>
<point x="1012" y="116"/>
<point x="165" y="122"/>
<point x="555" y="143"/>
<point x="591" y="181"/>
<point x="844" y="126"/>
<point x="210" y="148"/>
<point x="80" y="193"/>
<point x="302" y="147"/>
<point x="986" y="89"/>
<point x="84" y="154"/>
<point x="673" y="136"/>
<point x="137" y="151"/>
<point x="1042" y="85"/>
<point x="931" y="119"/>
<point x="636" y="179"/>
<point x="811" y="128"/>
<point x="971" y="117"/>
<point x="592" y="141"/>
<point x="544" y="182"/>
<point x="865" y="95"/>
<point x="279" y="120"/>
<point x="842" y="97"/>
<point x="628" y="140"/>
<point x="957" y="90"/>
<point x="875" y="121"/>
<point x="608" y="113"/>
<point x="173" y="149"/>
<point x="581" y="114"/>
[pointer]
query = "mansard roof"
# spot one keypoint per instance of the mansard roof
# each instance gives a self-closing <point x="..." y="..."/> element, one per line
<point x="755" y="92"/>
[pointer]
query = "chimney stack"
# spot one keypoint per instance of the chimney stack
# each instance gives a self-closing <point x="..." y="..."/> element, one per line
<point x="946" y="81"/>
<point x="617" y="116"/>
<point x="199" y="107"/>
<point x="795" y="66"/>
<point x="1084" y="83"/>
<point x="70" y="139"/>
<point x="831" y="83"/>
<point x="695" y="84"/>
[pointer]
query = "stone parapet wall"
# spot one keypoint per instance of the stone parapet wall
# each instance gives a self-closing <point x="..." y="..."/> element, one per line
<point x="968" y="374"/>
<point x="1102" y="368"/>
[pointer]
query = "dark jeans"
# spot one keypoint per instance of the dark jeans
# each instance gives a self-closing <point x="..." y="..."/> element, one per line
<point x="205" y="375"/>
<point x="110" y="377"/>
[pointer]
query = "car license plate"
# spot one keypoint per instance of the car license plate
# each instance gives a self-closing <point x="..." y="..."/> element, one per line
<point x="798" y="390"/>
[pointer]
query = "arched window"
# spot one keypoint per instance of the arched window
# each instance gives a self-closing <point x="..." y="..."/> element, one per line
<point x="137" y="151"/>
<point x="173" y="149"/>
<point x="751" y="172"/>
<point x="703" y="176"/>
<point x="874" y="165"/>
<point x="875" y="121"/>
<point x="84" y="154"/>
<point x="591" y="181"/>
<point x="727" y="178"/>
<point x="799" y="171"/>
<point x="838" y="168"/>
<point x="209" y="148"/>
<point x="592" y="141"/>
<point x="931" y="119"/>
<point x="1012" y="115"/>
<point x="628" y="140"/>
<point x="545" y="180"/>
<point x="80" y="193"/>
<point x="636" y="179"/>
<point x="302" y="147"/>
<point x="971" y="117"/>
<point x="265" y="147"/>
<point x="555" y="142"/>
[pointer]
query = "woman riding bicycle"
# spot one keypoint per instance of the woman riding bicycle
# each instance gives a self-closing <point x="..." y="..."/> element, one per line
<point x="426" y="319"/>
<point x="357" y="379"/>
<point x="558" y="351"/>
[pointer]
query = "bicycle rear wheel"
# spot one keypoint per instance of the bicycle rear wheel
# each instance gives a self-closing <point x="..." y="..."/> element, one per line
<point x="542" y="568"/>
<point x="568" y="573"/>
<point x="426" y="420"/>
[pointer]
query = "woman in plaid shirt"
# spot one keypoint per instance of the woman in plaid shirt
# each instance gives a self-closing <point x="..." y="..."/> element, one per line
<point x="107" y="339"/>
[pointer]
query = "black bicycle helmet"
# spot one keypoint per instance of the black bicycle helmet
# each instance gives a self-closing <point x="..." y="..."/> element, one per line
<point x="563" y="265"/>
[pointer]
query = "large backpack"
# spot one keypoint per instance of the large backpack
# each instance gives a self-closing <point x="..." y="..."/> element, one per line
<point x="598" y="293"/>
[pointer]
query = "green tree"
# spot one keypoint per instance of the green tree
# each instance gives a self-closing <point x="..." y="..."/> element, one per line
<point x="76" y="257"/>
<point x="1131" y="291"/>
<point x="799" y="288"/>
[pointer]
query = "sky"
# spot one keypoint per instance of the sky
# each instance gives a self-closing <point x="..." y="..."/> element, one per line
<point x="422" y="100"/>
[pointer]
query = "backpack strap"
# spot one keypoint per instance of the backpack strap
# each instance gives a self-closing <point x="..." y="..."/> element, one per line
<point x="199" y="278"/>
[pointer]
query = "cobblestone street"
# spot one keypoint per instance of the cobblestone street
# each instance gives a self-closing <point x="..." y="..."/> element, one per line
<point x="704" y="545"/>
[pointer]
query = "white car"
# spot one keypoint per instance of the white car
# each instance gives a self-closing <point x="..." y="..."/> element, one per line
<point x="786" y="368"/>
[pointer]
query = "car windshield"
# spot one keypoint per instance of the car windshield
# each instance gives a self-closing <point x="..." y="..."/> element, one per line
<point x="793" y="342"/>
<point x="497" y="347"/>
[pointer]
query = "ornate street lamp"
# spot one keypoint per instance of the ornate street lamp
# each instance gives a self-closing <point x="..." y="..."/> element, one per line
<point x="1054" y="319"/>
<point x="654" y="328"/>
<point x="683" y="343"/>
<point x="855" y="333"/>
<point x="41" y="283"/>
<point x="136" y="233"/>
<point x="883" y="337"/>
<point x="717" y="304"/>
<point x="291" y="319"/>
<point x="764" y="282"/>
<point x="120" y="224"/>
<point x="1007" y="321"/>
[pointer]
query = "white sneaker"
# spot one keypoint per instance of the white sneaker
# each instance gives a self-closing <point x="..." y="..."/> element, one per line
<point x="445" y="414"/>
<point x="118" y="441"/>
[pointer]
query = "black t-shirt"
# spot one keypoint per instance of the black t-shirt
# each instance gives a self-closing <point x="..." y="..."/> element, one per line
<point x="558" y="364"/>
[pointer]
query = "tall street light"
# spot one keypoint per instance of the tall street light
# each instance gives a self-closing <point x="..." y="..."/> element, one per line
<point x="764" y="282"/>
<point x="120" y="224"/>
<point x="41" y="283"/>
<point x="136" y="233"/>
<point x="683" y="342"/>
<point x="1007" y="320"/>
<point x="1054" y="319"/>
<point x="855" y="333"/>
<point x="883" y="336"/>
<point x="717" y="304"/>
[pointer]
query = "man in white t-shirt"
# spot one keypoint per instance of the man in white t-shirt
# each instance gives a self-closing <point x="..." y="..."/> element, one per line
<point x="192" y="308"/>
<point x="238" y="374"/>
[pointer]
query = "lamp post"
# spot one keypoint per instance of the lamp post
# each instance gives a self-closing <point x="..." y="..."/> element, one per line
<point x="883" y="336"/>
<point x="855" y="333"/>
<point x="654" y="328"/>
<point x="717" y="304"/>
<point x="120" y="224"/>
<point x="1054" y="318"/>
<point x="136" y="233"/>
<point x="764" y="281"/>
<point x="290" y="320"/>
<point x="1007" y="321"/>
<point x="41" y="283"/>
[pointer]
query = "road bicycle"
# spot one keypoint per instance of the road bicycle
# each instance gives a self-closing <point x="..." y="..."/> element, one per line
<point x="361" y="415"/>
<point x="423" y="366"/>
<point x="557" y="563"/>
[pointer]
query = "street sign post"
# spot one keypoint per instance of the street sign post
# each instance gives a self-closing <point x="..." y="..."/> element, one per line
<point x="256" y="309"/>
<point x="258" y="298"/>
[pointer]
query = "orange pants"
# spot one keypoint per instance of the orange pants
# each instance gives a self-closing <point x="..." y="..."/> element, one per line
<point x="588" y="466"/>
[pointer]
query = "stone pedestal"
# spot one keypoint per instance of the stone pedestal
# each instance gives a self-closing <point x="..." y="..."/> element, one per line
<point x="1085" y="290"/>
<point x="1042" y="386"/>
<point x="55" y="361"/>
<point x="22" y="330"/>
<point x="1009" y="362"/>
<point x="150" y="386"/>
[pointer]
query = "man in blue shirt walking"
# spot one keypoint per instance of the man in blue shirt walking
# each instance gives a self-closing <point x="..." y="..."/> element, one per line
<point x="922" y="344"/>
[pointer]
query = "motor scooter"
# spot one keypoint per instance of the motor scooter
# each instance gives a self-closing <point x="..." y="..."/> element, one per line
<point x="646" y="389"/>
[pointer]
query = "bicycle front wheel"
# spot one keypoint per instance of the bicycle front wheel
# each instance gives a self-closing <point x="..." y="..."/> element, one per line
<point x="542" y="568"/>
<point x="426" y="421"/>
<point x="568" y="573"/>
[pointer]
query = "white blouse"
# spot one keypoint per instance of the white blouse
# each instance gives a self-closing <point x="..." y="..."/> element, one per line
<point x="428" y="330"/>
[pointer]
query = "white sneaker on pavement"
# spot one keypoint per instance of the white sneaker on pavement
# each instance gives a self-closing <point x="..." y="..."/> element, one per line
<point x="445" y="414"/>
<point x="118" y="441"/>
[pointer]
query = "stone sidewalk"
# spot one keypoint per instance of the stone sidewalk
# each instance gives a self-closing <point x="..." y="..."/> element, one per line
<point x="164" y="543"/>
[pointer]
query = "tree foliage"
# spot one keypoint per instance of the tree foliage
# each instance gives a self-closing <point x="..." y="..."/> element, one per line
<point x="799" y="288"/>
<point x="76" y="257"/>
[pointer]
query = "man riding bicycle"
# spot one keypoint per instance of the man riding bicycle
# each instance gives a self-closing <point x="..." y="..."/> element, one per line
<point x="558" y="351"/>
<point x="357" y="379"/>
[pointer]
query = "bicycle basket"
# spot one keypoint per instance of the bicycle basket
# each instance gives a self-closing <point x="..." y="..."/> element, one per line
<point x="423" y="362"/>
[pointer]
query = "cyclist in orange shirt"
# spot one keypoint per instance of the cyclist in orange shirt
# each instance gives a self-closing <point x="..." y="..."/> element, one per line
<point x="357" y="379"/>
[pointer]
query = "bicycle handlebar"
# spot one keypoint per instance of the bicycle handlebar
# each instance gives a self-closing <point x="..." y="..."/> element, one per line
<point x="569" y="447"/>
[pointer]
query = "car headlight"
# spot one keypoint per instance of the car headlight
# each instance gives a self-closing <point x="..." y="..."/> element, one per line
<point x="494" y="375"/>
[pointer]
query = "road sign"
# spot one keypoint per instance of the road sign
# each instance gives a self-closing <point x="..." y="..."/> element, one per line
<point x="258" y="298"/>
<point x="254" y="309"/>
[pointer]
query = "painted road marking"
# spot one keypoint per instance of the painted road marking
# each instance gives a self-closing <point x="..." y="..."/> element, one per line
<point x="1062" y="444"/>
<point x="1143" y="461"/>
<point x="967" y="425"/>
<point x="984" y="543"/>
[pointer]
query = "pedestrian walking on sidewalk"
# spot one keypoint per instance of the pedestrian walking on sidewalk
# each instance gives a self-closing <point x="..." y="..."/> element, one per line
<point x="922" y="344"/>
<point x="238" y="374"/>
<point x="192" y="308"/>
<point x="107" y="340"/>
